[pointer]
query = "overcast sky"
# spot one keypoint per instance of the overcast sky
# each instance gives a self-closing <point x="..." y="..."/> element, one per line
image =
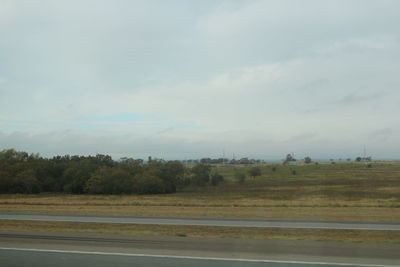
<point x="189" y="79"/>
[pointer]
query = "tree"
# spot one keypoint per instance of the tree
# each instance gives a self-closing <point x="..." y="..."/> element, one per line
<point x="289" y="158"/>
<point x="205" y="160"/>
<point x="100" y="174"/>
<point x="107" y="180"/>
<point x="13" y="155"/>
<point x="106" y="160"/>
<point x="76" y="176"/>
<point x="6" y="182"/>
<point x="27" y="182"/>
<point x="149" y="184"/>
<point x="254" y="171"/>
<point x="171" y="173"/>
<point x="216" y="178"/>
<point x="307" y="160"/>
<point x="24" y="182"/>
<point x="132" y="166"/>
<point x="201" y="174"/>
<point x="185" y="179"/>
<point x="173" y="170"/>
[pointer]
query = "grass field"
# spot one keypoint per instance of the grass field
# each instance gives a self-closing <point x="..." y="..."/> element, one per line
<point x="345" y="191"/>
<point x="342" y="191"/>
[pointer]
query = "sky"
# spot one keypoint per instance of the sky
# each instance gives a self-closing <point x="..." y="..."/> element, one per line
<point x="183" y="79"/>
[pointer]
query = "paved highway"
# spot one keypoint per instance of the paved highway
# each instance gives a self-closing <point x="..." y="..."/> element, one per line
<point x="34" y="258"/>
<point x="24" y="248"/>
<point x="303" y="224"/>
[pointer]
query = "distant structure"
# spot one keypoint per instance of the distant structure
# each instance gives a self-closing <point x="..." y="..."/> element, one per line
<point x="291" y="160"/>
<point x="364" y="158"/>
<point x="149" y="159"/>
<point x="244" y="161"/>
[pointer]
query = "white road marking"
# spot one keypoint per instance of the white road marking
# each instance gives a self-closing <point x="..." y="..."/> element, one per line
<point x="191" y="258"/>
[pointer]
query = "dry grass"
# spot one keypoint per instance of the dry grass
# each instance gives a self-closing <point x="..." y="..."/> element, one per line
<point x="309" y="213"/>
<point x="345" y="191"/>
<point x="229" y="195"/>
<point x="206" y="231"/>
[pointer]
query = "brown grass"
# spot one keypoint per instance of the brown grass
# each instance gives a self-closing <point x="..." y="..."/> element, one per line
<point x="206" y="231"/>
<point x="309" y="213"/>
<point x="343" y="191"/>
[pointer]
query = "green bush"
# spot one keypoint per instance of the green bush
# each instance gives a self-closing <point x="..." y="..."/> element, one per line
<point x="201" y="174"/>
<point x="150" y="184"/>
<point x="254" y="171"/>
<point x="216" y="178"/>
<point x="107" y="180"/>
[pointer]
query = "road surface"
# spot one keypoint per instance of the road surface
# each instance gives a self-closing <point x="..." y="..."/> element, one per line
<point x="25" y="248"/>
<point x="301" y="224"/>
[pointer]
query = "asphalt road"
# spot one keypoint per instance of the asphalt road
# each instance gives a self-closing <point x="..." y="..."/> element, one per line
<point x="66" y="259"/>
<point x="24" y="248"/>
<point x="303" y="224"/>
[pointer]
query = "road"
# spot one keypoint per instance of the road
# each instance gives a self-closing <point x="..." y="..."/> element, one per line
<point x="24" y="248"/>
<point x="302" y="224"/>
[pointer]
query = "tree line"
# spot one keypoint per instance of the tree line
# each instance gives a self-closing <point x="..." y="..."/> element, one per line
<point x="21" y="172"/>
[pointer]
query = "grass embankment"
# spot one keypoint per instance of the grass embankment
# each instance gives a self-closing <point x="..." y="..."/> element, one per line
<point x="206" y="231"/>
<point x="345" y="191"/>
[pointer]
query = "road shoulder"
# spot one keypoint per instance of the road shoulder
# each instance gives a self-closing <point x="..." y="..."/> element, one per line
<point x="315" y="251"/>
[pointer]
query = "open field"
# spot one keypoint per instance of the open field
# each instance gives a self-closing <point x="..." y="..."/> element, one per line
<point x="345" y="191"/>
<point x="342" y="191"/>
<point x="206" y="231"/>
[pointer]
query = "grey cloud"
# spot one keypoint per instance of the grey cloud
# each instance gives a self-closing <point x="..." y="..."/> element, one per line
<point x="355" y="98"/>
<point x="304" y="137"/>
<point x="382" y="134"/>
<point x="237" y="73"/>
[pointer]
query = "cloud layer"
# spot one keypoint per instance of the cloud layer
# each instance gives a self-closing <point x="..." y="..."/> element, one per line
<point x="187" y="80"/>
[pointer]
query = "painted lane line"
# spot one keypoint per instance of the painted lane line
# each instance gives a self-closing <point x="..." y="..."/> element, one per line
<point x="192" y="258"/>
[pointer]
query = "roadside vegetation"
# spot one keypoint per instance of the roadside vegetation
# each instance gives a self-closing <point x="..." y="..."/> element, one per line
<point x="206" y="231"/>
<point x="100" y="174"/>
<point x="349" y="191"/>
<point x="367" y="191"/>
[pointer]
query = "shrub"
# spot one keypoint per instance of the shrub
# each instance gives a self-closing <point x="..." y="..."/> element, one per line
<point x="28" y="182"/>
<point x="254" y="171"/>
<point x="239" y="176"/>
<point x="150" y="184"/>
<point x="6" y="181"/>
<point x="201" y="174"/>
<point x="107" y="180"/>
<point x="216" y="178"/>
